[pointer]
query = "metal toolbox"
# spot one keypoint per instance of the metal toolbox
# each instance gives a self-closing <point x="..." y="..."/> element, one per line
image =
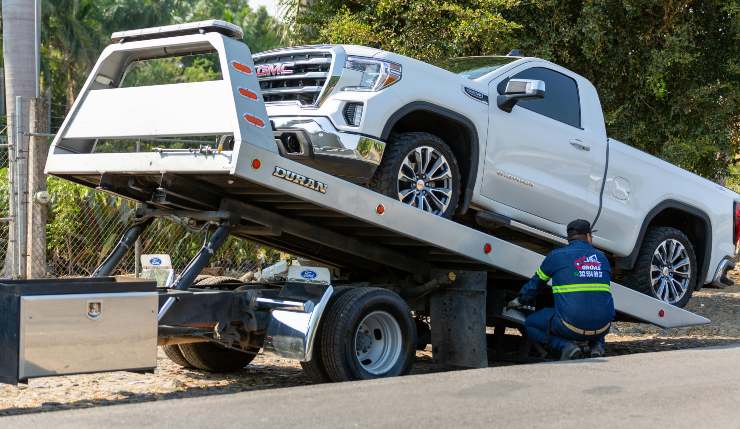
<point x="77" y="325"/>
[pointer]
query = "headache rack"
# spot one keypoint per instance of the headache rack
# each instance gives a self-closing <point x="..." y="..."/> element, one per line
<point x="278" y="202"/>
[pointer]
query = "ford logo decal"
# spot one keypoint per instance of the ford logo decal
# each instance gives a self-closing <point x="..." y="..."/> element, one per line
<point x="308" y="274"/>
<point x="155" y="261"/>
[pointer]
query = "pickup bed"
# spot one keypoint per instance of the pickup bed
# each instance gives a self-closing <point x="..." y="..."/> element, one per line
<point x="500" y="140"/>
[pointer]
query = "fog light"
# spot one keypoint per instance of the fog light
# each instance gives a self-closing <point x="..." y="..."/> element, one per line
<point x="353" y="114"/>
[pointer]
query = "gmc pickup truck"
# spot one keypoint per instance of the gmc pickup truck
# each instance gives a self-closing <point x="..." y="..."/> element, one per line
<point x="501" y="140"/>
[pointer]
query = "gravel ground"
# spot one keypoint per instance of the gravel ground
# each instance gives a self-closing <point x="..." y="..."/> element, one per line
<point x="170" y="381"/>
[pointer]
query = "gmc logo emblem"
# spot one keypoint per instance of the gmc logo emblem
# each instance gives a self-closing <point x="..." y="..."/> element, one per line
<point x="277" y="69"/>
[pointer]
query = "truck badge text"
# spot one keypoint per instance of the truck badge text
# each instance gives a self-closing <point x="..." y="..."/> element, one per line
<point x="298" y="179"/>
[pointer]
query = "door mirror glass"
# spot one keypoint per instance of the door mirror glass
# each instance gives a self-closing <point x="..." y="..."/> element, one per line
<point x="520" y="89"/>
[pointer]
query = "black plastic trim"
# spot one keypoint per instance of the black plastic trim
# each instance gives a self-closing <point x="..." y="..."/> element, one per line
<point x="450" y="114"/>
<point x="628" y="262"/>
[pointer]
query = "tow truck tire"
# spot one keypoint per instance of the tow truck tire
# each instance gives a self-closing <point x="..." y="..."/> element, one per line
<point x="402" y="146"/>
<point x="368" y="333"/>
<point x="218" y="282"/>
<point x="646" y="279"/>
<point x="175" y="355"/>
<point x="215" y="358"/>
<point x="314" y="368"/>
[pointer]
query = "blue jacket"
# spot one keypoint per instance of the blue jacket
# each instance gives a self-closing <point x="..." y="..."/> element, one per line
<point x="581" y="278"/>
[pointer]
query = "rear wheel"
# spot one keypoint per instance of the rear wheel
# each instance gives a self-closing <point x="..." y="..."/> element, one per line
<point x="368" y="333"/>
<point x="211" y="356"/>
<point x="215" y="358"/>
<point x="420" y="170"/>
<point x="666" y="267"/>
<point x="174" y="353"/>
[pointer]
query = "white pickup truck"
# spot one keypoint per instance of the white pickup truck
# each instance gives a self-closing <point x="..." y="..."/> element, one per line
<point x="501" y="140"/>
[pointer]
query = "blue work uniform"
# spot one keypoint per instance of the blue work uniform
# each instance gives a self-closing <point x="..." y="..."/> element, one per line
<point x="581" y="278"/>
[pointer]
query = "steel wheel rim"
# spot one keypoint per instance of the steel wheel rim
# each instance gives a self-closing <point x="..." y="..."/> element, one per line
<point x="425" y="180"/>
<point x="670" y="271"/>
<point x="378" y="342"/>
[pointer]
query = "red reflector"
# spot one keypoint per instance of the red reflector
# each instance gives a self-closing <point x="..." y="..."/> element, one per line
<point x="487" y="248"/>
<point x="256" y="164"/>
<point x="254" y="120"/>
<point x="241" y="67"/>
<point x="661" y="313"/>
<point x="380" y="209"/>
<point x="247" y="93"/>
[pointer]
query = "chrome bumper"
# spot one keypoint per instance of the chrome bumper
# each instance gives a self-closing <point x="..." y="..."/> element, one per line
<point x="315" y="142"/>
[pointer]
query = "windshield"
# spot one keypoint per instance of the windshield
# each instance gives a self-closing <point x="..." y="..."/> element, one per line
<point x="475" y="67"/>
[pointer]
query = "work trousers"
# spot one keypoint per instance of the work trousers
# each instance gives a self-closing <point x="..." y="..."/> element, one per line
<point x="546" y="328"/>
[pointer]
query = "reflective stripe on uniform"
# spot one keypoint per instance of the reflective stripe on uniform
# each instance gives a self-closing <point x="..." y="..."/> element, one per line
<point x="544" y="277"/>
<point x="583" y="287"/>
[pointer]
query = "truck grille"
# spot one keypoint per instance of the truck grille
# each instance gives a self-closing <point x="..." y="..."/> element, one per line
<point x="288" y="76"/>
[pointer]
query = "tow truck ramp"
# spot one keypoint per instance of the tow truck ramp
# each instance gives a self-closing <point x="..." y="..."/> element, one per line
<point x="263" y="196"/>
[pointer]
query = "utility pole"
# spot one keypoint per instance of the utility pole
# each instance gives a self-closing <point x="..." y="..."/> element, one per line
<point x="19" y="55"/>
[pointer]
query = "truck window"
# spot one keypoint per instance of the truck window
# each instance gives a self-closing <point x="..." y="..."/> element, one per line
<point x="561" y="100"/>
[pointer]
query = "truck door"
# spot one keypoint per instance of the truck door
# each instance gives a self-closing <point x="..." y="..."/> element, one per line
<point x="539" y="159"/>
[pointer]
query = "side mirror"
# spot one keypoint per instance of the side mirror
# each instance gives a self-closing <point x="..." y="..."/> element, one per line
<point x="520" y="89"/>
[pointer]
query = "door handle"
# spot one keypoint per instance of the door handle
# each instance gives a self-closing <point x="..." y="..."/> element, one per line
<point x="578" y="144"/>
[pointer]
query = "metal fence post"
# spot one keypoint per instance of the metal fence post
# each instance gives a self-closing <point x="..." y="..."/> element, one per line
<point x="20" y="190"/>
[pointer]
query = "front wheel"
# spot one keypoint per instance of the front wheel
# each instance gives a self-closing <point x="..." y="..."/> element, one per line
<point x="666" y="267"/>
<point x="420" y="170"/>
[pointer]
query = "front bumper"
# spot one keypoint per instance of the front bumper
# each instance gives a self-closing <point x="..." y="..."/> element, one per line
<point x="315" y="142"/>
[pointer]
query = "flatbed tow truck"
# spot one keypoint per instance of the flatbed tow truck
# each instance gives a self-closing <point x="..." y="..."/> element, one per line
<point x="399" y="265"/>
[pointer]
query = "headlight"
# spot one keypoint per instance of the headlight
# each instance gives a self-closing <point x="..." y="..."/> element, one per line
<point x="371" y="75"/>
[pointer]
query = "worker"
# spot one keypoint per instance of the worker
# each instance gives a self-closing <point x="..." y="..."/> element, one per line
<point x="583" y="309"/>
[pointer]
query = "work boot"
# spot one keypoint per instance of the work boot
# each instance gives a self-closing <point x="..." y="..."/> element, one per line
<point x="570" y="352"/>
<point x="597" y="351"/>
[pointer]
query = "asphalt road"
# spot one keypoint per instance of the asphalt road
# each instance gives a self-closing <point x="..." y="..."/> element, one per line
<point x="687" y="388"/>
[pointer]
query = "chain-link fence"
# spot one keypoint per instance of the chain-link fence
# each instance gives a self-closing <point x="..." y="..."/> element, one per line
<point x="84" y="226"/>
<point x="4" y="194"/>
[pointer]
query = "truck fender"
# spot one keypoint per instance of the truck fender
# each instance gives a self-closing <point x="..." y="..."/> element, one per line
<point x="628" y="262"/>
<point x="467" y="124"/>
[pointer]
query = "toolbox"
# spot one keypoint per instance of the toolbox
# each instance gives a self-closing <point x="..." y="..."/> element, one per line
<point x="76" y="325"/>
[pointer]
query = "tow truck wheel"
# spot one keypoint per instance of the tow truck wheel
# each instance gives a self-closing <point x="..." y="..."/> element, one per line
<point x="420" y="170"/>
<point x="314" y="368"/>
<point x="368" y="333"/>
<point x="666" y="267"/>
<point x="175" y="355"/>
<point x="215" y="358"/>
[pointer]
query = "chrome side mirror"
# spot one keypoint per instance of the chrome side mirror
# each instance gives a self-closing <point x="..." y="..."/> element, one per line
<point x="520" y="89"/>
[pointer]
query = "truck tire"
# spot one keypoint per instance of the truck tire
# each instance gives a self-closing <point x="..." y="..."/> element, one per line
<point x="666" y="267"/>
<point x="420" y="170"/>
<point x="314" y="368"/>
<point x="174" y="353"/>
<point x="210" y="356"/>
<point x="215" y="358"/>
<point x="368" y="333"/>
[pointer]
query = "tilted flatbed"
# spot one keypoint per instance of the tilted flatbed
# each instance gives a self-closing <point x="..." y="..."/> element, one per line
<point x="245" y="188"/>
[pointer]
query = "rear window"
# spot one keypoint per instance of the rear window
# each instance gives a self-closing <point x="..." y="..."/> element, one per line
<point x="475" y="67"/>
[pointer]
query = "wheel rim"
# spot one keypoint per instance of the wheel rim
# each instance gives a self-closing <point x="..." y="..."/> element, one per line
<point x="425" y="180"/>
<point x="670" y="271"/>
<point x="378" y="342"/>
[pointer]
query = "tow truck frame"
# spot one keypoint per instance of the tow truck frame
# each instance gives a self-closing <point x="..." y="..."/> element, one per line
<point x="457" y="275"/>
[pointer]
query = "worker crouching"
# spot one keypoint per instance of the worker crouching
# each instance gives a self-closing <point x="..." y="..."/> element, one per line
<point x="584" y="308"/>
